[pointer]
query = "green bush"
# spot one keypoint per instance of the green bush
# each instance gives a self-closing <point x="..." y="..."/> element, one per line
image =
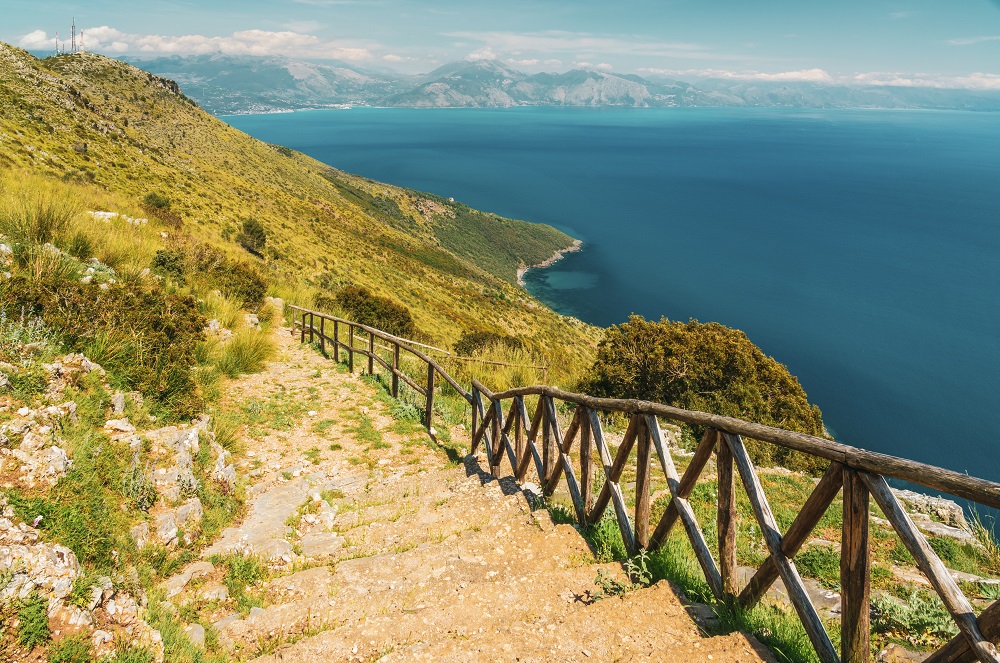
<point x="156" y="200"/>
<point x="169" y="262"/>
<point x="237" y="280"/>
<point x="252" y="236"/>
<point x="145" y="338"/>
<point x="707" y="367"/>
<point x="375" y="311"/>
<point x="33" y="615"/>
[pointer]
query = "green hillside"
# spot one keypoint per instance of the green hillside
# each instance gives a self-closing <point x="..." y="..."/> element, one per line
<point x="115" y="134"/>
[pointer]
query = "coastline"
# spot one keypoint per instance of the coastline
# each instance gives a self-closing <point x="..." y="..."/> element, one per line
<point x="556" y="257"/>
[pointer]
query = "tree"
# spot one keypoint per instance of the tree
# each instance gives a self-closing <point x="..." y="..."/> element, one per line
<point x="375" y="311"/>
<point x="707" y="367"/>
<point x="252" y="237"/>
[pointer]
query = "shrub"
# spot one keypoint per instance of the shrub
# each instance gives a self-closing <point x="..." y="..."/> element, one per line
<point x="238" y="280"/>
<point x="472" y="342"/>
<point x="252" y="236"/>
<point x="169" y="262"/>
<point x="156" y="201"/>
<point x="375" y="311"/>
<point x="33" y="615"/>
<point x="822" y="563"/>
<point x="707" y="367"/>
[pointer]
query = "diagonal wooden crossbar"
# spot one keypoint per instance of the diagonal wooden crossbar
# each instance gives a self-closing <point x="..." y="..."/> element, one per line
<point x="684" y="487"/>
<point x="611" y="491"/>
<point x="531" y="451"/>
<point x="681" y="506"/>
<point x="806" y="520"/>
<point x="786" y="569"/>
<point x="958" y="650"/>
<point x="932" y="567"/>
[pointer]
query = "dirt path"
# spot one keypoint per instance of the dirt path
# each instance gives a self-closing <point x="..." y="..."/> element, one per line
<point x="381" y="549"/>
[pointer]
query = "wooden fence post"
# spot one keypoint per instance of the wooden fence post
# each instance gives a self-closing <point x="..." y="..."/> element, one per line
<point x="855" y="573"/>
<point x="322" y="335"/>
<point x="336" y="341"/>
<point x="395" y="367"/>
<point x="586" y="464"/>
<point x="642" y="501"/>
<point x="371" y="353"/>
<point x="302" y="327"/>
<point x="430" y="395"/>
<point x="311" y="337"/>
<point x="350" y="350"/>
<point x="726" y="519"/>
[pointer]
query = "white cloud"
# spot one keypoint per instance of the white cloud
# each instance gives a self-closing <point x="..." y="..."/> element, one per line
<point x="969" y="41"/>
<point x="530" y="62"/>
<point x="485" y="53"/>
<point x="558" y="41"/>
<point x="37" y="39"/>
<point x="246" y="42"/>
<point x="973" y="81"/>
<point x="603" y="66"/>
<point x="392" y="57"/>
<point x="803" y="75"/>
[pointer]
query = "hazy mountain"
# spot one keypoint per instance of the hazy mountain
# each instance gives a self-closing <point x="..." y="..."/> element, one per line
<point x="225" y="84"/>
<point x="244" y="84"/>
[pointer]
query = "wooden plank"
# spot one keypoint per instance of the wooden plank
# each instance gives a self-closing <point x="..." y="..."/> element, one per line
<point x="612" y="469"/>
<point x="536" y="420"/>
<point x="574" y="489"/>
<point x="930" y="564"/>
<point x="495" y="442"/>
<point x="350" y="350"/>
<point x="395" y="369"/>
<point x="726" y="519"/>
<point x="855" y="573"/>
<point x="302" y="328"/>
<point x="958" y="651"/>
<point x="505" y="435"/>
<point x="311" y="329"/>
<point x="786" y="569"/>
<point x="371" y="355"/>
<point x="336" y="340"/>
<point x="430" y="396"/>
<point x="322" y="335"/>
<point x="683" y="509"/>
<point x="563" y="444"/>
<point x="586" y="469"/>
<point x="517" y="407"/>
<point x="643" y="503"/>
<point x="810" y="514"/>
<point x="483" y="426"/>
<point x="684" y="487"/>
<point x="611" y="481"/>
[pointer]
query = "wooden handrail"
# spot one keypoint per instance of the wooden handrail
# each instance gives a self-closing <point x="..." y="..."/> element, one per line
<point x="537" y="440"/>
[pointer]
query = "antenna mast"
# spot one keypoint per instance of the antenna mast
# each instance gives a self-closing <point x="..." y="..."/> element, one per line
<point x="57" y="43"/>
<point x="73" y="46"/>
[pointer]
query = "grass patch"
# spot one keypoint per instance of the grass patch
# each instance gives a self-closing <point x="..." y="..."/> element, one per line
<point x="246" y="352"/>
<point x="33" y="618"/>
<point x="242" y="574"/>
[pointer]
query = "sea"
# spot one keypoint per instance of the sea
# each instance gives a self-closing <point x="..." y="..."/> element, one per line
<point x="861" y="248"/>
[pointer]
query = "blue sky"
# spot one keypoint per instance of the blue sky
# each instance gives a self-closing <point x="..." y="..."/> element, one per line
<point x="933" y="42"/>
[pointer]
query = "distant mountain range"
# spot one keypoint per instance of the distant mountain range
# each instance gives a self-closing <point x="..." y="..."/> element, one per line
<point x="225" y="84"/>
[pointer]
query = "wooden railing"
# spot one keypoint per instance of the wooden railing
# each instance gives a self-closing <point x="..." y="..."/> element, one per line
<point x="535" y="444"/>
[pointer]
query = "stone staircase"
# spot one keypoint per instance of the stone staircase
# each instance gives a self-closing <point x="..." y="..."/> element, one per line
<point x="387" y="551"/>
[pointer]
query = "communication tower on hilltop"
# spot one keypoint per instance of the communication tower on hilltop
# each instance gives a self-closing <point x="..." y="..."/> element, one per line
<point x="73" y="42"/>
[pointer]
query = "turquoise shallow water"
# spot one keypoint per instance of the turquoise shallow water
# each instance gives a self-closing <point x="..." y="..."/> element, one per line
<point x="860" y="248"/>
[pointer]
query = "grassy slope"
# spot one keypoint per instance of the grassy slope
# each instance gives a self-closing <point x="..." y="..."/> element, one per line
<point x="88" y="118"/>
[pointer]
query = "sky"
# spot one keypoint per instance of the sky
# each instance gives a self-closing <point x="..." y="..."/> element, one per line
<point x="942" y="43"/>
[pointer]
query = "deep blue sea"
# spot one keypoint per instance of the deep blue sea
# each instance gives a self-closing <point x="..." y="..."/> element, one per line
<point x="860" y="248"/>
